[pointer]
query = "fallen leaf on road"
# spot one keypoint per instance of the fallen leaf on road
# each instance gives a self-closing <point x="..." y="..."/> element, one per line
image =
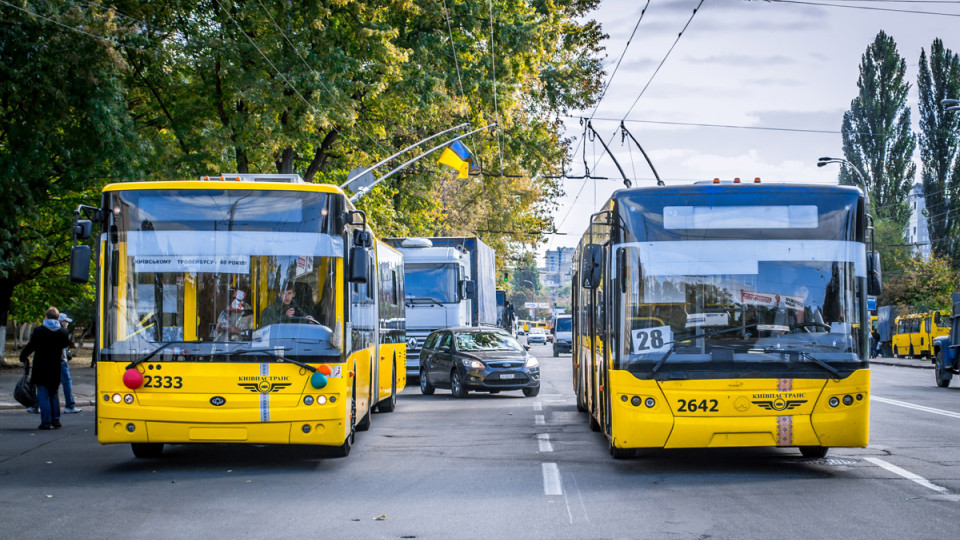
<point x="381" y="517"/>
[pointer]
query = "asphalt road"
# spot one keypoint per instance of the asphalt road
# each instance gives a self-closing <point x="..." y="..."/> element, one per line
<point x="493" y="466"/>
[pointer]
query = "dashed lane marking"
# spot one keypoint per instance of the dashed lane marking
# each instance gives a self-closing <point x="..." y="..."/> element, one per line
<point x="539" y="420"/>
<point x="543" y="439"/>
<point x="551" y="479"/>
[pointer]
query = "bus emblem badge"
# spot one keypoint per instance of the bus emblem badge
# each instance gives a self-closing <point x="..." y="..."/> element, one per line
<point x="217" y="401"/>
<point x="741" y="404"/>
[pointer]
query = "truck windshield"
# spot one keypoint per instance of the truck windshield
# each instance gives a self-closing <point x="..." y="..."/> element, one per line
<point x="715" y="285"/>
<point x="564" y="325"/>
<point x="430" y="282"/>
<point x="218" y="273"/>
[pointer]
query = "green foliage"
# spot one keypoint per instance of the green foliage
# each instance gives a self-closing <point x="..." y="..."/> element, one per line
<point x="939" y="78"/>
<point x="922" y="286"/>
<point x="877" y="140"/>
<point x="63" y="127"/>
<point x="894" y="252"/>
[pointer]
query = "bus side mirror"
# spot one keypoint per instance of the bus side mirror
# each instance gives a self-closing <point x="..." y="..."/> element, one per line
<point x="592" y="266"/>
<point x="358" y="265"/>
<point x="80" y="263"/>
<point x="874" y="285"/>
<point x="82" y="229"/>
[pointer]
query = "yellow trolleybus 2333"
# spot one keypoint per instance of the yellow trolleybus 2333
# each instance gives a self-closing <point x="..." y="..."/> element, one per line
<point x="725" y="315"/>
<point x="239" y="309"/>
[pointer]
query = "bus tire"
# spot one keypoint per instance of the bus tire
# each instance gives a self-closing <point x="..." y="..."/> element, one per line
<point x="814" y="451"/>
<point x="147" y="450"/>
<point x="425" y="387"/>
<point x="942" y="375"/>
<point x="911" y="355"/>
<point x="456" y="385"/>
<point x="344" y="449"/>
<point x="389" y="404"/>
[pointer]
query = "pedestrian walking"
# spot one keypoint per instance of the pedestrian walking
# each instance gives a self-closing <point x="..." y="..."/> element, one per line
<point x="46" y="344"/>
<point x="65" y="381"/>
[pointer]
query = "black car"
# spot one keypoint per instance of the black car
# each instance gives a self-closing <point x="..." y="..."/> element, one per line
<point x="487" y="359"/>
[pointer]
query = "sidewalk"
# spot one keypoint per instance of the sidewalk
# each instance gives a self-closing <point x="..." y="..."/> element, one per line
<point x="82" y="375"/>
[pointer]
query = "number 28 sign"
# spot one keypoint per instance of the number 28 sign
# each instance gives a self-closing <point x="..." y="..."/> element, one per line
<point x="656" y="339"/>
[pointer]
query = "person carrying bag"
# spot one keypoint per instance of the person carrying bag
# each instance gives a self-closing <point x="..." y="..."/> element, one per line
<point x="24" y="392"/>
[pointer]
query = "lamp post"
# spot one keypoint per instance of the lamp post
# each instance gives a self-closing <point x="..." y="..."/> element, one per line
<point x="951" y="105"/>
<point x="863" y="179"/>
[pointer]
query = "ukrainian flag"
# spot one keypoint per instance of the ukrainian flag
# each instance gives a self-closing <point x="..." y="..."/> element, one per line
<point x="457" y="156"/>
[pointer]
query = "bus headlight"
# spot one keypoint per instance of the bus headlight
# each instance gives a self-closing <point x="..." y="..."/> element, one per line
<point x="834" y="401"/>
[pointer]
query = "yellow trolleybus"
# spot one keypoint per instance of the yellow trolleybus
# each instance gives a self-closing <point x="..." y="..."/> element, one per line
<point x="240" y="309"/>
<point x="725" y="315"/>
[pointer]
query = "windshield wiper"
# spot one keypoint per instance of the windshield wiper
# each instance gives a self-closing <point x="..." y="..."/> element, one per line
<point x="277" y="356"/>
<point x="673" y="344"/>
<point x="151" y="354"/>
<point x="423" y="300"/>
<point x="808" y="356"/>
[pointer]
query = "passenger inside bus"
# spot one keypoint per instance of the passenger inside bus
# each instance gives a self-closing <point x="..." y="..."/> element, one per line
<point x="236" y="319"/>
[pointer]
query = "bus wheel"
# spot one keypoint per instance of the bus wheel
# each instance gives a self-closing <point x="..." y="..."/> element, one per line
<point x="620" y="453"/>
<point x="364" y="423"/>
<point x="911" y="355"/>
<point x="389" y="404"/>
<point x="943" y="376"/>
<point x="147" y="450"/>
<point x="594" y="425"/>
<point x="814" y="451"/>
<point x="344" y="449"/>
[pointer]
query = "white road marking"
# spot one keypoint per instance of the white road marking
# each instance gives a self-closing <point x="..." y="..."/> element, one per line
<point x="537" y="406"/>
<point x="543" y="439"/>
<point x="538" y="420"/>
<point x="915" y="407"/>
<point x="912" y="477"/>
<point x="551" y="479"/>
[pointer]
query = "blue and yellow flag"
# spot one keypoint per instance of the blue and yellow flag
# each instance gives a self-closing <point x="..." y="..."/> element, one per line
<point x="457" y="156"/>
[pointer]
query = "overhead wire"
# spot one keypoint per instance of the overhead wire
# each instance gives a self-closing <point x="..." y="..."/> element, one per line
<point x="866" y="8"/>
<point x="284" y="77"/>
<point x="456" y="63"/>
<point x="315" y="72"/>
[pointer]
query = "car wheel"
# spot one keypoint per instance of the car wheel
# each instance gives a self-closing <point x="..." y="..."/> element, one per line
<point x="531" y="391"/>
<point x="556" y="353"/>
<point x="456" y="385"/>
<point x="814" y="451"/>
<point x="425" y="387"/>
<point x="147" y="450"/>
<point x="943" y="376"/>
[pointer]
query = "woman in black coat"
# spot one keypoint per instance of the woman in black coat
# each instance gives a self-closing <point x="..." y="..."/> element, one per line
<point x="47" y="343"/>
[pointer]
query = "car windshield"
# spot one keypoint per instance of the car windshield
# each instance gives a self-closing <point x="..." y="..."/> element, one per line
<point x="487" y="341"/>
<point x="564" y="325"/>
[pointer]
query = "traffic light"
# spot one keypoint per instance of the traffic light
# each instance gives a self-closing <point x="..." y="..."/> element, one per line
<point x="506" y="277"/>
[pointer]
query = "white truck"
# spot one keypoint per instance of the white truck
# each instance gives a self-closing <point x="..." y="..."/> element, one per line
<point x="449" y="281"/>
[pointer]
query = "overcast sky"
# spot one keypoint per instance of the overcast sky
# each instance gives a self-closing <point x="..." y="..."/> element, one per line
<point x="752" y="64"/>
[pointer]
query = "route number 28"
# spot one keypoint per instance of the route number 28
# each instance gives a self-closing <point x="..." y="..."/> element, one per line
<point x="656" y="339"/>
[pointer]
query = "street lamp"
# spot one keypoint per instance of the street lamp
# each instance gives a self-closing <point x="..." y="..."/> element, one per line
<point x="863" y="180"/>
<point x="951" y="104"/>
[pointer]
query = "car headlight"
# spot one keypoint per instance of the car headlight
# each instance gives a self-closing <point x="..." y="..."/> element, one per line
<point x="532" y="362"/>
<point x="472" y="364"/>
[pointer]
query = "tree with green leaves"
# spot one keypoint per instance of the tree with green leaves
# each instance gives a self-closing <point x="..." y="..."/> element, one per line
<point x="922" y="286"/>
<point x="877" y="140"/>
<point x="939" y="79"/>
<point x="64" y="128"/>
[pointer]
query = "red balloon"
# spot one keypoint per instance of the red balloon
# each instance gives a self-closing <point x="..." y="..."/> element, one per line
<point x="132" y="379"/>
<point x="325" y="369"/>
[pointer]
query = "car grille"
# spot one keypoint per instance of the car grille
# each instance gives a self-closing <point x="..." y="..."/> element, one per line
<point x="515" y="364"/>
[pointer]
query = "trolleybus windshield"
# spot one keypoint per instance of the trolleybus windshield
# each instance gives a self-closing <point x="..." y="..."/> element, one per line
<point x="722" y="283"/>
<point x="220" y="274"/>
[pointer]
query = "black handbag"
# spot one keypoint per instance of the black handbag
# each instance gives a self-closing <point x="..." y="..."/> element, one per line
<point x="25" y="393"/>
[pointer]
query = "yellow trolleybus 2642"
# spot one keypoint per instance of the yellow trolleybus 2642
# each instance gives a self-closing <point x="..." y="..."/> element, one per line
<point x="725" y="315"/>
<point x="240" y="310"/>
